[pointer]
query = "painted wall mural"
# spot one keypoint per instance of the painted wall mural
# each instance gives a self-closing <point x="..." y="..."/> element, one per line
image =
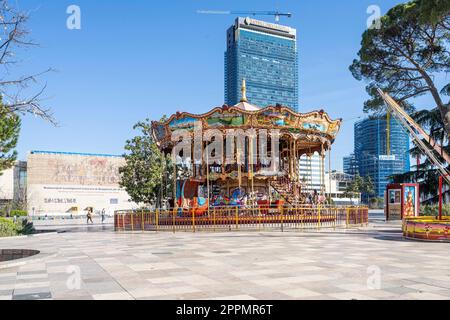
<point x="74" y="170"/>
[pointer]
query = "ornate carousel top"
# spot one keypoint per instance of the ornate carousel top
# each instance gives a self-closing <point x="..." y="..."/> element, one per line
<point x="314" y="131"/>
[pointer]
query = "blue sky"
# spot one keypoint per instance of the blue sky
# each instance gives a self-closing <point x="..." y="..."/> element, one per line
<point x="141" y="59"/>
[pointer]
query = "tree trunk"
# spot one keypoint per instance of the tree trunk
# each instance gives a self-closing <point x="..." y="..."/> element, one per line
<point x="443" y="108"/>
<point x="445" y="113"/>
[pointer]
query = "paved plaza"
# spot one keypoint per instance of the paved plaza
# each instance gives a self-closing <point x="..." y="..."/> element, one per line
<point x="373" y="262"/>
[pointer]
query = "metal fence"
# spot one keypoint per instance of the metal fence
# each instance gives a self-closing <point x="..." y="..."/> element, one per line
<point x="237" y="218"/>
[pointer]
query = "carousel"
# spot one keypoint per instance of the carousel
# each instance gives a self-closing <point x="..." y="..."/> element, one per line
<point x="245" y="155"/>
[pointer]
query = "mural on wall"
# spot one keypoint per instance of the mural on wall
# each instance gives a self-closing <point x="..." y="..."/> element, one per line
<point x="70" y="170"/>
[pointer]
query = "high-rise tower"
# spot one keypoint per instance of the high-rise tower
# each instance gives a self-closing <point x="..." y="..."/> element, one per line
<point x="265" y="55"/>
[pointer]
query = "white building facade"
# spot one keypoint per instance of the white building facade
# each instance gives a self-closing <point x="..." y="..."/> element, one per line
<point x="335" y="186"/>
<point x="310" y="173"/>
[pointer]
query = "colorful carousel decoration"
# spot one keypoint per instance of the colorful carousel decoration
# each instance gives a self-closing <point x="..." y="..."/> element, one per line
<point x="238" y="168"/>
<point x="216" y="182"/>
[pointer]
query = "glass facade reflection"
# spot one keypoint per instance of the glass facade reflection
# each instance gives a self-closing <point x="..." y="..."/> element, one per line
<point x="265" y="55"/>
<point x="371" y="151"/>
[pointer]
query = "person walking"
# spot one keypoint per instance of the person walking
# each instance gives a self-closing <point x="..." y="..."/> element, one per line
<point x="89" y="216"/>
<point x="103" y="215"/>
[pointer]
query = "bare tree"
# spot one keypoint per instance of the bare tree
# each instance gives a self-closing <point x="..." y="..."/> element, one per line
<point x="14" y="36"/>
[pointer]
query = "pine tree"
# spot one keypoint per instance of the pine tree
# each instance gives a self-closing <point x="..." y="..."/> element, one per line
<point x="9" y="135"/>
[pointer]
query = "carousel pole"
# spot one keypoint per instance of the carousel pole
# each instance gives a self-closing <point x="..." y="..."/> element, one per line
<point x="207" y="178"/>
<point x="175" y="199"/>
<point x="295" y="161"/>
<point x="247" y="145"/>
<point x="295" y="181"/>
<point x="310" y="170"/>
<point x="238" y="161"/>
<point x="251" y="165"/>
<point x="223" y="158"/>
<point x="243" y="99"/>
<point x="323" y="173"/>
<point x="329" y="174"/>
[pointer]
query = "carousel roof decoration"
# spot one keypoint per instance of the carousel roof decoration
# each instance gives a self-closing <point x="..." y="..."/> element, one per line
<point x="315" y="127"/>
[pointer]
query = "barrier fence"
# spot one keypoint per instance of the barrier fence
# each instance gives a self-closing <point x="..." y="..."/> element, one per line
<point x="236" y="218"/>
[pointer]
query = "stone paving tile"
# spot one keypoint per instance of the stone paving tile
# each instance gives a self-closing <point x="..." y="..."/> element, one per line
<point x="426" y="296"/>
<point x="300" y="293"/>
<point x="350" y="296"/>
<point x="245" y="265"/>
<point x="113" y="296"/>
<point x="33" y="296"/>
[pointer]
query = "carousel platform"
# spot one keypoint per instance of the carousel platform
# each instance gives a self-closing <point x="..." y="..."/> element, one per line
<point x="427" y="229"/>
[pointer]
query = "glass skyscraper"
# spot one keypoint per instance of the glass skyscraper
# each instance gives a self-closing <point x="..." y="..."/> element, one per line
<point x="371" y="151"/>
<point x="350" y="165"/>
<point x="265" y="55"/>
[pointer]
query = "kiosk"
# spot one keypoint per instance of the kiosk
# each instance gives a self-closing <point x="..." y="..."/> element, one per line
<point x="402" y="201"/>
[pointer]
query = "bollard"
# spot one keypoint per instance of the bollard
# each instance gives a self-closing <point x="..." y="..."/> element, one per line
<point x="237" y="218"/>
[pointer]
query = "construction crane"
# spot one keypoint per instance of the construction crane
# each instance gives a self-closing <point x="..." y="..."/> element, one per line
<point x="276" y="14"/>
<point x="418" y="135"/>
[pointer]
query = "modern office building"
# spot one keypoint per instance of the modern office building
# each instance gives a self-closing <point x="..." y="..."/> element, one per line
<point x="350" y="165"/>
<point x="62" y="183"/>
<point x="265" y="55"/>
<point x="372" y="153"/>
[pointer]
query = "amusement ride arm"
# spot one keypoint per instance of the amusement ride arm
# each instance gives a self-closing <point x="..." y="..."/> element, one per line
<point x="415" y="130"/>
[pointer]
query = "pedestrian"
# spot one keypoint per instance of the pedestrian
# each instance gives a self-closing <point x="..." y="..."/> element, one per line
<point x="89" y="216"/>
<point x="103" y="215"/>
<point x="315" y="197"/>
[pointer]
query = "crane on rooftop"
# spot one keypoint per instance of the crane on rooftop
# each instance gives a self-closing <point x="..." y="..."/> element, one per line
<point x="276" y="14"/>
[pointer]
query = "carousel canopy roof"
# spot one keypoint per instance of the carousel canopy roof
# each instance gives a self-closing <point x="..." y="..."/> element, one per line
<point x="247" y="106"/>
<point x="313" y="126"/>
